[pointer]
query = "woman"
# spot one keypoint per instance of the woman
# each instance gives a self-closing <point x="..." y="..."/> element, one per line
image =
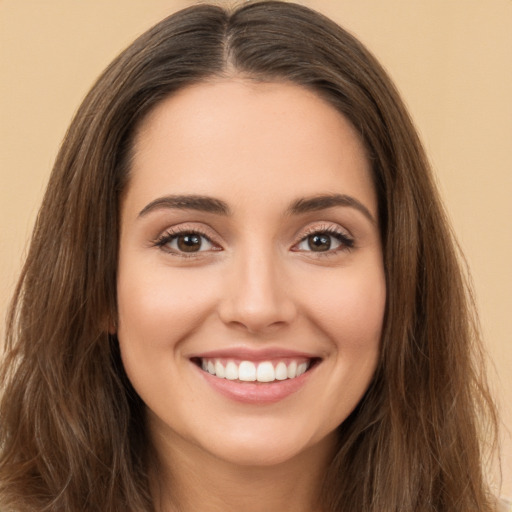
<point x="242" y="291"/>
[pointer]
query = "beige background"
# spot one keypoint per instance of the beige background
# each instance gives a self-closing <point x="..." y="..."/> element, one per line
<point x="452" y="61"/>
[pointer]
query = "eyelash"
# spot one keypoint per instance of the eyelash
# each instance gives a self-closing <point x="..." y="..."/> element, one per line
<point x="171" y="235"/>
<point x="347" y="243"/>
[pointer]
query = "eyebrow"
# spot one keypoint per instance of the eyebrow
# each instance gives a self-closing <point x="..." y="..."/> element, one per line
<point x="316" y="203"/>
<point x="217" y="206"/>
<point x="187" y="202"/>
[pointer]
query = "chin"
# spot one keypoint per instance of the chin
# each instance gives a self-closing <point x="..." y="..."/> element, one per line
<point x="267" y="444"/>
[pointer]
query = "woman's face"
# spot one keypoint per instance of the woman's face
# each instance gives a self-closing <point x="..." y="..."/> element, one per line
<point x="251" y="287"/>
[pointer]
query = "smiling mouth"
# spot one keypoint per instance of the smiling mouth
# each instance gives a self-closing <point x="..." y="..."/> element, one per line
<point x="261" y="371"/>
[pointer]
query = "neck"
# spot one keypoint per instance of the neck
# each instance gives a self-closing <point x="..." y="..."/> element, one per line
<point x="187" y="479"/>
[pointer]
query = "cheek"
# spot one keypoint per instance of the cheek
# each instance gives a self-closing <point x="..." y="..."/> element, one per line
<point x="158" y="307"/>
<point x="350" y="309"/>
<point x="351" y="318"/>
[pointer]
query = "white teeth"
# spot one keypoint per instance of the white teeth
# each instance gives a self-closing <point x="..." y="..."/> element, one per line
<point x="281" y="371"/>
<point x="292" y="370"/>
<point x="301" y="369"/>
<point x="265" y="372"/>
<point x="219" y="370"/>
<point x="231" y="371"/>
<point x="248" y="371"/>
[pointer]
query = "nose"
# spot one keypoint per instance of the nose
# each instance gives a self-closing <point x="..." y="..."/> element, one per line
<point x="257" y="296"/>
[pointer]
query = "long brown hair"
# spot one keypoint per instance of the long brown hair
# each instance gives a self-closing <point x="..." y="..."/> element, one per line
<point x="72" y="433"/>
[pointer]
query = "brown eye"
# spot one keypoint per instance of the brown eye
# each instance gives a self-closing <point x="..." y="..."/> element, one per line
<point x="186" y="242"/>
<point x="189" y="242"/>
<point x="325" y="241"/>
<point x="319" y="242"/>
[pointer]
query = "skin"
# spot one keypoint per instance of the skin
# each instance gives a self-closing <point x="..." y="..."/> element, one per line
<point x="257" y="283"/>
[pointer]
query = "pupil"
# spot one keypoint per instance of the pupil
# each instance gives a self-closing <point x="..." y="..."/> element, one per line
<point x="189" y="243"/>
<point x="319" y="242"/>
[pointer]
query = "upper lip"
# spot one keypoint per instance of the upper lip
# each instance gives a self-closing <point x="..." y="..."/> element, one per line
<point x="251" y="354"/>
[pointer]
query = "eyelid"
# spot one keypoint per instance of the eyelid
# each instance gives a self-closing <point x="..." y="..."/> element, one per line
<point x="332" y="229"/>
<point x="346" y="239"/>
<point x="171" y="233"/>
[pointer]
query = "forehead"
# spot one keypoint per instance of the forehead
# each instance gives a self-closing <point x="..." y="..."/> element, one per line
<point x="236" y="135"/>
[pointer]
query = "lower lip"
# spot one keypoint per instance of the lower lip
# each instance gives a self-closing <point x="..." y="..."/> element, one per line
<point x="256" y="392"/>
